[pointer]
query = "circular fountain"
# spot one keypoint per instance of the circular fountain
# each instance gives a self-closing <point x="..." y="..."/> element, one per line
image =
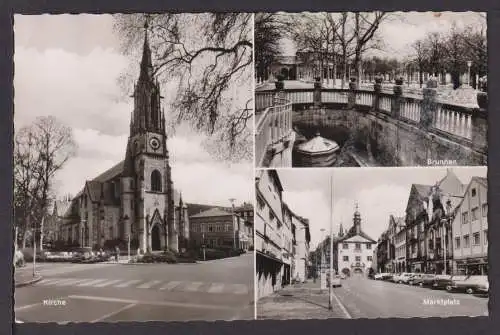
<point x="317" y="152"/>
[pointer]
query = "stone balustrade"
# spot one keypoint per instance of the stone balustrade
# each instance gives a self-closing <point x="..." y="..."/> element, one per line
<point x="274" y="125"/>
<point x="463" y="124"/>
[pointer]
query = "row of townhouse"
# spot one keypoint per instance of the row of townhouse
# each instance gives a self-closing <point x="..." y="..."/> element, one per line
<point x="281" y="237"/>
<point x="445" y="230"/>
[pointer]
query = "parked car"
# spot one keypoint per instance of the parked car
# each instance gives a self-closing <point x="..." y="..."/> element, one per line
<point x="415" y="278"/>
<point x="379" y="276"/>
<point x="395" y="277"/>
<point x="82" y="254"/>
<point x="336" y="281"/>
<point x="404" y="278"/>
<point x="388" y="276"/>
<point x="442" y="282"/>
<point x="470" y="284"/>
<point x="422" y="279"/>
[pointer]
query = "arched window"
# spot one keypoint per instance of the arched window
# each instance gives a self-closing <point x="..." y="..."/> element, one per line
<point x="156" y="181"/>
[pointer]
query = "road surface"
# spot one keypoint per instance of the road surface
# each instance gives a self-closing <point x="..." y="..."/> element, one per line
<point x="215" y="290"/>
<point x="360" y="297"/>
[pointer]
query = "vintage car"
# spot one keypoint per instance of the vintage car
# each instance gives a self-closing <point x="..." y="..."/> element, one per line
<point x="445" y="281"/>
<point x="82" y="254"/>
<point x="336" y="281"/>
<point x="404" y="278"/>
<point x="379" y="276"/>
<point x="471" y="284"/>
<point x="422" y="279"/>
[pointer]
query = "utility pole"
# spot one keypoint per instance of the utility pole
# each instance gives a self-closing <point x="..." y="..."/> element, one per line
<point x="234" y="225"/>
<point x="203" y="247"/>
<point x="330" y="291"/>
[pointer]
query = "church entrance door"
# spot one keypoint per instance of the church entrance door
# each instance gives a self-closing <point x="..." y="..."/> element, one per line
<point x="155" y="238"/>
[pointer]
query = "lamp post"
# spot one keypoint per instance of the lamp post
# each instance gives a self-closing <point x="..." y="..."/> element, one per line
<point x="203" y="246"/>
<point x="330" y="298"/>
<point x="232" y="219"/>
<point x="469" y="64"/>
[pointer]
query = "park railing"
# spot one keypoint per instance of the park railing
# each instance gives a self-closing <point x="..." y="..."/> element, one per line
<point x="464" y="124"/>
<point x="274" y="125"/>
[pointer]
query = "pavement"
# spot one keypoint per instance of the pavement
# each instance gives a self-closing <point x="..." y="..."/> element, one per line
<point x="360" y="297"/>
<point x="216" y="290"/>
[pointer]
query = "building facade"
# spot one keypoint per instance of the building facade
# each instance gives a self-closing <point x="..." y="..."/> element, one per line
<point x="470" y="230"/>
<point x="135" y="199"/>
<point x="301" y="255"/>
<point x="355" y="249"/>
<point x="269" y="223"/>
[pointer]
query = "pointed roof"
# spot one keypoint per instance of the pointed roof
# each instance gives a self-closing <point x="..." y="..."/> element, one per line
<point x="480" y="180"/>
<point x="211" y="213"/>
<point x="318" y="145"/>
<point x="146" y="63"/>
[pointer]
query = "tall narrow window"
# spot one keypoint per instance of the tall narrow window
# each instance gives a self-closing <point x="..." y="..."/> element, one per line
<point x="156" y="181"/>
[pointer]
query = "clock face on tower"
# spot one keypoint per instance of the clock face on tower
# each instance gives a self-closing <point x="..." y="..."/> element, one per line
<point x="154" y="142"/>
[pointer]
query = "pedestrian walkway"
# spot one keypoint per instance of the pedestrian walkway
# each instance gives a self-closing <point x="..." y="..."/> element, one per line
<point x="174" y="286"/>
<point x="300" y="301"/>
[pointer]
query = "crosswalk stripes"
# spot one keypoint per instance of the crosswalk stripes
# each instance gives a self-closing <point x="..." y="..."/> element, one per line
<point x="193" y="287"/>
<point x="92" y="282"/>
<point x="107" y="283"/>
<point x="240" y="289"/>
<point x="173" y="286"/>
<point x="128" y="283"/>
<point x="216" y="288"/>
<point x="170" y="285"/>
<point x="72" y="282"/>
<point x="149" y="284"/>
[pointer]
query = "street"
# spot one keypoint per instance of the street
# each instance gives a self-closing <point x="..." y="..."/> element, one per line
<point x="360" y="297"/>
<point x="215" y="290"/>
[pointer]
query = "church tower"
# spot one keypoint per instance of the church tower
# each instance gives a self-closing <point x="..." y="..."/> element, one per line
<point x="357" y="220"/>
<point x="147" y="206"/>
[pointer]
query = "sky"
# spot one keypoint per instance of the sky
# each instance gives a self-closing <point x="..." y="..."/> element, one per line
<point x="68" y="66"/>
<point x="379" y="193"/>
<point x="400" y="30"/>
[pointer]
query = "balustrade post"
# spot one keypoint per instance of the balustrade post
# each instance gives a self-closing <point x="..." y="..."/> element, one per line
<point x="377" y="89"/>
<point x="397" y="100"/>
<point x="429" y="104"/>
<point x="479" y="131"/>
<point x="351" y="97"/>
<point x="317" y="92"/>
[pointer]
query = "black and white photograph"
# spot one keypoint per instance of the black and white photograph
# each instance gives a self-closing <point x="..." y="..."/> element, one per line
<point x="379" y="243"/>
<point x="133" y="167"/>
<point x="370" y="89"/>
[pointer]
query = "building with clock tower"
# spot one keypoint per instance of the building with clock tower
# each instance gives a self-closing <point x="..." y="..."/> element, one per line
<point x="136" y="198"/>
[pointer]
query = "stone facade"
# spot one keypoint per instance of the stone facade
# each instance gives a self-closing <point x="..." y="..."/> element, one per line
<point x="390" y="142"/>
<point x="135" y="199"/>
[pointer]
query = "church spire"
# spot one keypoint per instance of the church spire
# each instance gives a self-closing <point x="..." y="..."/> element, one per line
<point x="147" y="116"/>
<point x="146" y="62"/>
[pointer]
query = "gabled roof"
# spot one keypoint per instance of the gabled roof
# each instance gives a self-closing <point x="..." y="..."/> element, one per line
<point x="481" y="180"/>
<point x="422" y="190"/>
<point x="111" y="173"/>
<point x="245" y="207"/>
<point x="211" y="213"/>
<point x="352" y="232"/>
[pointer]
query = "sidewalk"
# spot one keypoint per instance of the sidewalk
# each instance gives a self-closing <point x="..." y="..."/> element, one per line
<point x="25" y="278"/>
<point x="299" y="301"/>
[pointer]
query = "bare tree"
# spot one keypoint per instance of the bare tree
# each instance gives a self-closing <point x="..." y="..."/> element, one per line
<point x="269" y="29"/>
<point x="40" y="151"/>
<point x="366" y="26"/>
<point x="420" y="59"/>
<point x="209" y="56"/>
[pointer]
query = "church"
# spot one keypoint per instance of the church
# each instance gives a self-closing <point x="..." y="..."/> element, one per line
<point x="135" y="199"/>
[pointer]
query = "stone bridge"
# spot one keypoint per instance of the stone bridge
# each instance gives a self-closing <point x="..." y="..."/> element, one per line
<point x="381" y="128"/>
